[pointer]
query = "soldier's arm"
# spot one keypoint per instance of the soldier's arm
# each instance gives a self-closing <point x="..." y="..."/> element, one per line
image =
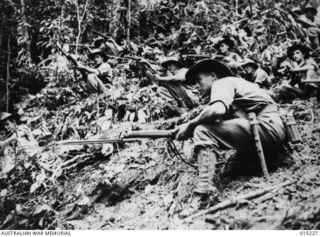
<point x="179" y="76"/>
<point x="209" y="114"/>
<point x="221" y="98"/>
<point x="222" y="95"/>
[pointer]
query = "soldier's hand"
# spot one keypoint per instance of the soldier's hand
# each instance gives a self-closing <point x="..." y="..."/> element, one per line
<point x="185" y="131"/>
<point x="157" y="77"/>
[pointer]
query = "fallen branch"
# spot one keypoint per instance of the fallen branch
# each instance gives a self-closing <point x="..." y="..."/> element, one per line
<point x="233" y="201"/>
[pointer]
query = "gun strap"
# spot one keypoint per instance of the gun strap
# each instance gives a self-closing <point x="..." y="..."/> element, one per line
<point x="177" y="154"/>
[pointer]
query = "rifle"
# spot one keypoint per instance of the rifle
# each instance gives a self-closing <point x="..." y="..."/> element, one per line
<point x="197" y="56"/>
<point x="100" y="34"/>
<point x="133" y="136"/>
<point x="75" y="65"/>
<point x="116" y="49"/>
<point x="68" y="56"/>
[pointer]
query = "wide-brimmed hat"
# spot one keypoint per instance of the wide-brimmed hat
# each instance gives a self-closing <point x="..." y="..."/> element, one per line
<point x="297" y="10"/>
<point x="249" y="62"/>
<point x="169" y="61"/>
<point x="207" y="66"/>
<point x="309" y="7"/>
<point x="95" y="52"/>
<point x="97" y="42"/>
<point x="4" y="116"/>
<point x="305" y="50"/>
<point x="226" y="41"/>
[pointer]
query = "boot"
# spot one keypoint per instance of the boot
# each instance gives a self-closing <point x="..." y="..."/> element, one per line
<point x="206" y="162"/>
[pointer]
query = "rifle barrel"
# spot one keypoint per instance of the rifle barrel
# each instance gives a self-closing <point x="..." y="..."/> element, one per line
<point x="84" y="142"/>
<point x="132" y="136"/>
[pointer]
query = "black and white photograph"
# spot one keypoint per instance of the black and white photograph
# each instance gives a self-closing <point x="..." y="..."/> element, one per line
<point x="159" y="115"/>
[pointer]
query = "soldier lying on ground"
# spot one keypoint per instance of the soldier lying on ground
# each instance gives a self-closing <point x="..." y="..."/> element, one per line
<point x="98" y="76"/>
<point x="172" y="85"/>
<point x="215" y="128"/>
<point x="19" y="144"/>
<point x="300" y="67"/>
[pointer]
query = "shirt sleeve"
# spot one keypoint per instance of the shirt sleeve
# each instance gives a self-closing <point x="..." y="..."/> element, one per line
<point x="223" y="90"/>
<point x="261" y="77"/>
<point x="181" y="73"/>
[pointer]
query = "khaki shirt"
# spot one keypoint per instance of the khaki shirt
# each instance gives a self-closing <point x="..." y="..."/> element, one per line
<point x="105" y="72"/>
<point x="243" y="94"/>
<point x="262" y="78"/>
<point x="297" y="78"/>
<point x="247" y="97"/>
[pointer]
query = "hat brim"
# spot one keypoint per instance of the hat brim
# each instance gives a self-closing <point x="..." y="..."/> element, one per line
<point x="303" y="49"/>
<point x="247" y="64"/>
<point x="171" y="61"/>
<point x="228" y="42"/>
<point x="207" y="66"/>
<point x="6" y="116"/>
<point x="299" y="12"/>
<point x="92" y="55"/>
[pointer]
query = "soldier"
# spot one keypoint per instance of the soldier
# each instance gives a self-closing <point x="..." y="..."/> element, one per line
<point x="255" y="74"/>
<point x="230" y="58"/>
<point x="301" y="68"/>
<point x="215" y="127"/>
<point x="309" y="22"/>
<point x="98" y="76"/>
<point x="172" y="85"/>
<point x="19" y="141"/>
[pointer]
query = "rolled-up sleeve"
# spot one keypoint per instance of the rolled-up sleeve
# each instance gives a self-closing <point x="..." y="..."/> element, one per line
<point x="261" y="77"/>
<point x="223" y="90"/>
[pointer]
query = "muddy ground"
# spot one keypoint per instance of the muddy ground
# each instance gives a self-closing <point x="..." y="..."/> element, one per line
<point x="142" y="187"/>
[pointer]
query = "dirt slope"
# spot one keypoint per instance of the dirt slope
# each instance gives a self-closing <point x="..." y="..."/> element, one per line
<point x="153" y="189"/>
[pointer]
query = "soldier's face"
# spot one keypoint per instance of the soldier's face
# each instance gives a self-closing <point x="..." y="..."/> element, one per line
<point x="224" y="48"/>
<point x="297" y="55"/>
<point x="248" y="69"/>
<point x="9" y="126"/>
<point x="98" y="59"/>
<point x="205" y="81"/>
<point x="172" y="68"/>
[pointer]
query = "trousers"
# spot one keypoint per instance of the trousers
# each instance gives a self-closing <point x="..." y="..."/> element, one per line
<point x="95" y="85"/>
<point x="236" y="134"/>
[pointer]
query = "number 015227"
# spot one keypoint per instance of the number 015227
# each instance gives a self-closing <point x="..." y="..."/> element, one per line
<point x="309" y="232"/>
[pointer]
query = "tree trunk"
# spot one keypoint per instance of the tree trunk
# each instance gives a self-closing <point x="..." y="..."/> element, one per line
<point x="8" y="73"/>
<point x="24" y="30"/>
<point x="129" y="24"/>
<point x="80" y="20"/>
